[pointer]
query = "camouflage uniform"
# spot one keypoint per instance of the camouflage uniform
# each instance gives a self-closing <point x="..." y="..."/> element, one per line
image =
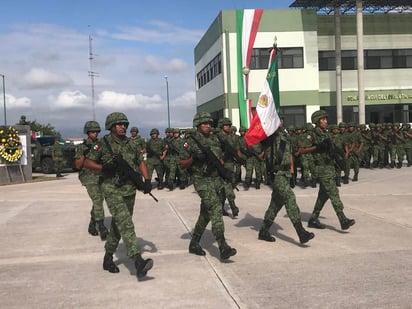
<point x="208" y="185"/>
<point x="227" y="140"/>
<point x="407" y="133"/>
<point x="91" y="180"/>
<point x="242" y="144"/>
<point x="167" y="159"/>
<point x="57" y="155"/>
<point x="282" y="194"/>
<point x="353" y="146"/>
<point x="120" y="194"/>
<point x="253" y="163"/>
<point x="154" y="161"/>
<point x="379" y="146"/>
<point x="325" y="173"/>
<point x="398" y="146"/>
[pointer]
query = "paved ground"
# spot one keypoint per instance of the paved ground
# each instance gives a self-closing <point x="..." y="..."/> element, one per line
<point x="47" y="259"/>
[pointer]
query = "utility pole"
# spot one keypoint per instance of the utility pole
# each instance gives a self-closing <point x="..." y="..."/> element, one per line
<point x="92" y="74"/>
<point x="4" y="99"/>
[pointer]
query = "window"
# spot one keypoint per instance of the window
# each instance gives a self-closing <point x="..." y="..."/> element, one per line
<point x="210" y="71"/>
<point x="289" y="58"/>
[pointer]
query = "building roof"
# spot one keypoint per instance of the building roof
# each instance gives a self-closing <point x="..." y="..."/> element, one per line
<point x="349" y="6"/>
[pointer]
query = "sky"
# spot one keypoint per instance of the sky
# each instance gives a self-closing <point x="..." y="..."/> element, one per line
<point x="44" y="57"/>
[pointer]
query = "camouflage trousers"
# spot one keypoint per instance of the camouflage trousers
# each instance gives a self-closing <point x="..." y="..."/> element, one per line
<point x="155" y="165"/>
<point x="327" y="190"/>
<point x="227" y="192"/>
<point x="58" y="165"/>
<point x="210" y="206"/>
<point x="282" y="194"/>
<point x="253" y="164"/>
<point x="96" y="195"/>
<point x="397" y="153"/>
<point x="121" y="209"/>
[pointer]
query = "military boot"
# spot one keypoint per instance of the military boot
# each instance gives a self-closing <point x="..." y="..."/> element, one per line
<point x="235" y="209"/>
<point x="264" y="232"/>
<point x="92" y="228"/>
<point x="194" y="246"/>
<point x="247" y="183"/>
<point x="109" y="265"/>
<point x="160" y="185"/>
<point x="315" y="223"/>
<point x="355" y="177"/>
<point x="338" y="181"/>
<point x="313" y="182"/>
<point x="392" y="165"/>
<point x="345" y="179"/>
<point x="304" y="236"/>
<point x="225" y="250"/>
<point x="142" y="266"/>
<point x="257" y="184"/>
<point x="345" y="223"/>
<point x="102" y="230"/>
<point x="399" y="165"/>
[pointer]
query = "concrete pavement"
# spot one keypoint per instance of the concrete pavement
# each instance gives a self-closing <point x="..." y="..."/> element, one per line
<point x="48" y="260"/>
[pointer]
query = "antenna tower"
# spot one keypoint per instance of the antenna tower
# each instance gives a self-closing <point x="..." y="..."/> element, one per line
<point x="92" y="74"/>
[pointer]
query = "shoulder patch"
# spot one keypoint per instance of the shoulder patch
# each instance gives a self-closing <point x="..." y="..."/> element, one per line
<point x="96" y="147"/>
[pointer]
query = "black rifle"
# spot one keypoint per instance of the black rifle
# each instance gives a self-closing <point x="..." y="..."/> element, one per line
<point x="335" y="153"/>
<point x="213" y="161"/>
<point x="230" y="150"/>
<point x="251" y="152"/>
<point x="126" y="172"/>
<point x="172" y="148"/>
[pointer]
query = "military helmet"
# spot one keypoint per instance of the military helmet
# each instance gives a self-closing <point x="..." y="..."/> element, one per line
<point x="114" y="118"/>
<point x="396" y="124"/>
<point x="91" y="126"/>
<point x="134" y="129"/>
<point x="351" y="124"/>
<point x="233" y="129"/>
<point x="333" y="127"/>
<point x="201" y="117"/>
<point x="318" y="115"/>
<point x="224" y="122"/>
<point x="342" y="124"/>
<point x="308" y="126"/>
<point x="154" y="131"/>
<point x="242" y="129"/>
<point x="372" y="125"/>
<point x="176" y="130"/>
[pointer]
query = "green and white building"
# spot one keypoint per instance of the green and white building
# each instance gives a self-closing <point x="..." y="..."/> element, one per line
<point x="307" y="65"/>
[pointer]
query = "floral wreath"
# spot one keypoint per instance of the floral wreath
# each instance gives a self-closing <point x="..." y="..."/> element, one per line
<point x="10" y="145"/>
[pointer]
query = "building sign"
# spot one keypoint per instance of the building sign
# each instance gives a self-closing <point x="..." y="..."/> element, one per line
<point x="380" y="97"/>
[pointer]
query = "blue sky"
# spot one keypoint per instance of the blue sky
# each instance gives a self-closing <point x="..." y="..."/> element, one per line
<point x="45" y="49"/>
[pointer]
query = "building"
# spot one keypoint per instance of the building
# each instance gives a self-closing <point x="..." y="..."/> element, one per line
<point x="307" y="70"/>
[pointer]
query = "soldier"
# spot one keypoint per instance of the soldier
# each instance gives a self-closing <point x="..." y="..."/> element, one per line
<point x="167" y="159"/>
<point x="353" y="149"/>
<point x="324" y="172"/>
<point x="407" y="133"/>
<point x="344" y="135"/>
<point x="242" y="144"/>
<point x="398" y="146"/>
<point x="135" y="137"/>
<point x="231" y="152"/>
<point x="379" y="146"/>
<point x="91" y="180"/>
<point x="207" y="182"/>
<point x="366" y="138"/>
<point x="155" y="156"/>
<point x="120" y="192"/>
<point x="254" y="158"/>
<point x="57" y="156"/>
<point x="337" y="141"/>
<point x="282" y="194"/>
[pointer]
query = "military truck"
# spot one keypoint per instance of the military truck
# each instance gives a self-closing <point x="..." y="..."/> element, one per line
<point x="41" y="153"/>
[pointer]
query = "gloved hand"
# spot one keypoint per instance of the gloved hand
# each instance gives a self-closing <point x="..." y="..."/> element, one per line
<point x="147" y="187"/>
<point x="292" y="182"/>
<point x="323" y="146"/>
<point x="109" y="168"/>
<point x="199" y="157"/>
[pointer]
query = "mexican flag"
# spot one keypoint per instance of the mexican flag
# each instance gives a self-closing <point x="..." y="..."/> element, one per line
<point x="266" y="119"/>
<point x="247" y="24"/>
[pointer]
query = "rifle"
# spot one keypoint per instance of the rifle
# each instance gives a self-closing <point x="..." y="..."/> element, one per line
<point x="231" y="151"/>
<point x="335" y="153"/>
<point x="213" y="161"/>
<point x="172" y="147"/>
<point x="251" y="152"/>
<point x="126" y="172"/>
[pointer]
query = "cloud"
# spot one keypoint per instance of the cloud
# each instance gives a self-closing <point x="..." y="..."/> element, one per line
<point x="158" y="65"/>
<point x="157" y="32"/>
<point x="69" y="99"/>
<point x="113" y="100"/>
<point x="14" y="103"/>
<point x="43" y="79"/>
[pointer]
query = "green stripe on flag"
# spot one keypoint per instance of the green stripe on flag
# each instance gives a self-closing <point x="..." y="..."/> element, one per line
<point x="240" y="85"/>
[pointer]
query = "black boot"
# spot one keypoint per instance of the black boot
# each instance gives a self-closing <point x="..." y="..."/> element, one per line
<point x="314" y="223"/>
<point x="313" y="182"/>
<point x="109" y="265"/>
<point x="304" y="236"/>
<point x="355" y="177"/>
<point x="235" y="209"/>
<point x="225" y="250"/>
<point x="345" y="180"/>
<point x="338" y="181"/>
<point x="142" y="266"/>
<point x="265" y="235"/>
<point x="102" y="230"/>
<point x="160" y="186"/>
<point x="92" y="228"/>
<point x="247" y="183"/>
<point x="257" y="184"/>
<point x="345" y="223"/>
<point x="399" y="165"/>
<point x="194" y="246"/>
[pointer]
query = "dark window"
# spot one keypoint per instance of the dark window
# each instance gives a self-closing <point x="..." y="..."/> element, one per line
<point x="289" y="58"/>
<point x="210" y="71"/>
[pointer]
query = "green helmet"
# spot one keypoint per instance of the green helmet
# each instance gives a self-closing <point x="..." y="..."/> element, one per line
<point x="114" y="118"/>
<point x="91" y="126"/>
<point x="233" y="129"/>
<point x="333" y="127"/>
<point x="342" y="125"/>
<point x="318" y="115"/>
<point x="242" y="129"/>
<point x="201" y="117"/>
<point x="176" y="130"/>
<point x="224" y="122"/>
<point x="154" y="131"/>
<point x="308" y="126"/>
<point x="134" y="129"/>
